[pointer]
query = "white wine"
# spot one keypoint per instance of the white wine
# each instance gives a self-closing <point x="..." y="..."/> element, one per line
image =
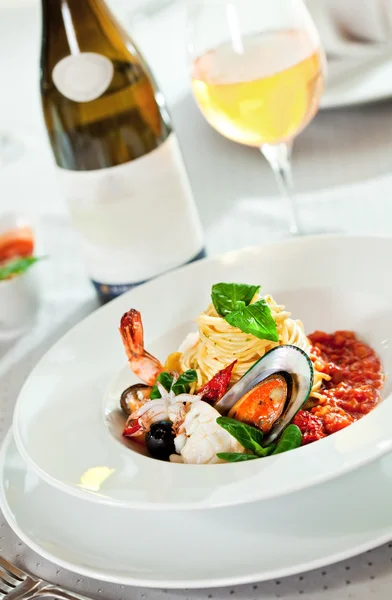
<point x="118" y="160"/>
<point x="265" y="95"/>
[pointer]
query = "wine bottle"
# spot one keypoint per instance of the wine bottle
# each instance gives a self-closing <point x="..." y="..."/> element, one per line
<point x="117" y="157"/>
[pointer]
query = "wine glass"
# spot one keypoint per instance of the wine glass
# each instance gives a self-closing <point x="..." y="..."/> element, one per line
<point x="257" y="71"/>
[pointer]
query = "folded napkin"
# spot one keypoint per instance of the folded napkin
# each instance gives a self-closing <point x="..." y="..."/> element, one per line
<point x="353" y="28"/>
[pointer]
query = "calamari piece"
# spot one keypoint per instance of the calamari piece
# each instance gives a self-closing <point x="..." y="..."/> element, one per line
<point x="166" y="408"/>
<point x="190" y="341"/>
<point x="204" y="438"/>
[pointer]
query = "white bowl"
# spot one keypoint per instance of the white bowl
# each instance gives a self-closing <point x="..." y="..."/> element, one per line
<point x="65" y="417"/>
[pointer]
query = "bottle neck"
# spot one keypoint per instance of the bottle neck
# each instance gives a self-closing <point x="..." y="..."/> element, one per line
<point x="60" y="11"/>
<point x="80" y="26"/>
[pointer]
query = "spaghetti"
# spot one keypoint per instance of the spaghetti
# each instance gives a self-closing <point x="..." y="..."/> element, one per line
<point x="219" y="344"/>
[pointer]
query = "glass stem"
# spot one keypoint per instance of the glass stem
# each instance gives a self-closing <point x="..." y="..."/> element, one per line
<point x="279" y="157"/>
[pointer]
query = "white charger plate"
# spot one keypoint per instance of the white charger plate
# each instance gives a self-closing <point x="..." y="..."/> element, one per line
<point x="353" y="83"/>
<point x="66" y="417"/>
<point x="266" y="540"/>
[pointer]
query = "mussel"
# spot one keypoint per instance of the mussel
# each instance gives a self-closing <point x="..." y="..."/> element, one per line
<point x="271" y="392"/>
<point x="134" y="396"/>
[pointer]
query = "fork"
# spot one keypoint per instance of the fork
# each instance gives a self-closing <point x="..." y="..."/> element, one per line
<point x="15" y="584"/>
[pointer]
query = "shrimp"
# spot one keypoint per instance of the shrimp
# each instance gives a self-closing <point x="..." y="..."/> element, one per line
<point x="202" y="438"/>
<point x="142" y="363"/>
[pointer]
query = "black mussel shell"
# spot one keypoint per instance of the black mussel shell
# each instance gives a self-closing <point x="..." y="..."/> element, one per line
<point x="134" y="396"/>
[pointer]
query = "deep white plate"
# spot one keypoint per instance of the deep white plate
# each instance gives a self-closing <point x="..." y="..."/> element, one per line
<point x="65" y="421"/>
<point x="229" y="546"/>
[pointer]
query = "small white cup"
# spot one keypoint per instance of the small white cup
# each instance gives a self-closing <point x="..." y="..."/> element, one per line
<point x="19" y="296"/>
<point x="19" y="304"/>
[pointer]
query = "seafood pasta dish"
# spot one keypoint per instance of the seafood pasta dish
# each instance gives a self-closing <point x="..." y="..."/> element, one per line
<point x="249" y="384"/>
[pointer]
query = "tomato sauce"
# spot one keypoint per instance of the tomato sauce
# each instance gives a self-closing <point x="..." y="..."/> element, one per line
<point x="352" y="391"/>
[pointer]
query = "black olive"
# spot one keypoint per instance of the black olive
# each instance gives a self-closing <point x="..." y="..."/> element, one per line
<point x="160" y="440"/>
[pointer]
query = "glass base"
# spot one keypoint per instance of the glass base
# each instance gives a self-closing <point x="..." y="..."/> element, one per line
<point x="277" y="227"/>
<point x="308" y="232"/>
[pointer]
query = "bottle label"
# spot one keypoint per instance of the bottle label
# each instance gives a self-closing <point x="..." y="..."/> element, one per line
<point x="83" y="77"/>
<point x="136" y="220"/>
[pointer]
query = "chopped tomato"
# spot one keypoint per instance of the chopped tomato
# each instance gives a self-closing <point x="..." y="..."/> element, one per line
<point x="16" y="243"/>
<point x="353" y="389"/>
<point x="312" y="427"/>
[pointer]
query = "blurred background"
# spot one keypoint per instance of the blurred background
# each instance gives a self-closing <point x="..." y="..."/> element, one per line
<point x="342" y="160"/>
<point x="343" y="145"/>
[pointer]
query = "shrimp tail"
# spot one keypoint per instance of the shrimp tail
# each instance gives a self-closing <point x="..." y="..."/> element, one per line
<point x="142" y="363"/>
<point x="131" y="330"/>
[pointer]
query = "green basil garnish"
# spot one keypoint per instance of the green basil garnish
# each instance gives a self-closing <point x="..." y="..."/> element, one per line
<point x="290" y="439"/>
<point x="249" y="437"/>
<point x="255" y="319"/>
<point x="17" y="266"/>
<point x="234" y="457"/>
<point x="181" y="386"/>
<point x="270" y="449"/>
<point x="166" y="380"/>
<point x="227" y="297"/>
<point x="232" y="302"/>
<point x="183" y="383"/>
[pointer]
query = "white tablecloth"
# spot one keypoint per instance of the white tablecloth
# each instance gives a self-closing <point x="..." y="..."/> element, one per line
<point x="237" y="200"/>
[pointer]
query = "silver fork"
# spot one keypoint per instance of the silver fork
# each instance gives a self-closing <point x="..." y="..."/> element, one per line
<point x="15" y="584"/>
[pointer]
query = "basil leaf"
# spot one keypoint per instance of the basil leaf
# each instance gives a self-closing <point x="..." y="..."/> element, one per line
<point x="164" y="379"/>
<point x="255" y="319"/>
<point x="265" y="451"/>
<point x="249" y="437"/>
<point x="234" y="457"/>
<point x="17" y="266"/>
<point x="183" y="383"/>
<point x="269" y="449"/>
<point x="291" y="438"/>
<point x="227" y="297"/>
<point x="181" y="386"/>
